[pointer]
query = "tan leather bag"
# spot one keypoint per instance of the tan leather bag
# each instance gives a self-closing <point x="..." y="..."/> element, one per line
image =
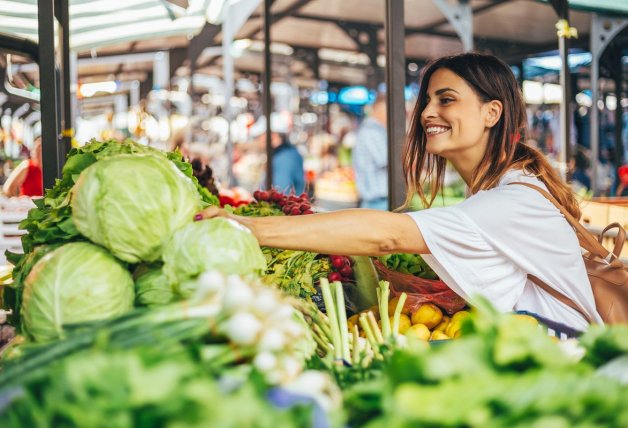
<point x="607" y="274"/>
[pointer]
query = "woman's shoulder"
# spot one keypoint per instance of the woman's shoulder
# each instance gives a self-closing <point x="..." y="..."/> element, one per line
<point x="509" y="203"/>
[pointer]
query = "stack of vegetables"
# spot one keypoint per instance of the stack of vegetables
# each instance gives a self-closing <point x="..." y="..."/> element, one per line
<point x="298" y="273"/>
<point x="115" y="232"/>
<point x="135" y="315"/>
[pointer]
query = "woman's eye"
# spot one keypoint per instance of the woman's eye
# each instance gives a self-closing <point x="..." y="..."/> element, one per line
<point x="446" y="101"/>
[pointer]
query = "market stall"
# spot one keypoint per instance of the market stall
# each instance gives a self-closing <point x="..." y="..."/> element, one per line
<point x="124" y="310"/>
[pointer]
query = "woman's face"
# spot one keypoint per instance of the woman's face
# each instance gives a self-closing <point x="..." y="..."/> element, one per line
<point x="454" y="119"/>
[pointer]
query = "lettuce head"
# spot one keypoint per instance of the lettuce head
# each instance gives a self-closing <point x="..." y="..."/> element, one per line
<point x="131" y="204"/>
<point x="75" y="283"/>
<point x="216" y="244"/>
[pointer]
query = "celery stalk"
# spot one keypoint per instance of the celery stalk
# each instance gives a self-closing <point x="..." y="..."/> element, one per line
<point x="376" y="330"/>
<point x="330" y="306"/>
<point x="356" y="345"/>
<point x="397" y="315"/>
<point x="370" y="337"/>
<point x="384" y="286"/>
<point x="342" y="321"/>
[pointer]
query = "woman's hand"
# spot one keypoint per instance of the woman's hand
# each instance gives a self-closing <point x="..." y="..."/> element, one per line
<point x="211" y="212"/>
<point x="215" y="212"/>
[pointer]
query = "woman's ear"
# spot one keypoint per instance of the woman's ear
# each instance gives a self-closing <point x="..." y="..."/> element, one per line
<point x="493" y="112"/>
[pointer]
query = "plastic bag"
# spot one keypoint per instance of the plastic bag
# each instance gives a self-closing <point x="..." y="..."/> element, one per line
<point x="420" y="290"/>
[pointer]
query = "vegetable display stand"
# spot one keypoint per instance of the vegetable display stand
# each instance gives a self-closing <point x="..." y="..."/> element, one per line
<point x="420" y="290"/>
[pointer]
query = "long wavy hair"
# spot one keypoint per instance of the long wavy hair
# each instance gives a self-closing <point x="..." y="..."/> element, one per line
<point x="490" y="79"/>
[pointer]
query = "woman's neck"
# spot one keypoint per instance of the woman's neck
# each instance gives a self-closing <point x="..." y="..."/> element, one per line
<point x="467" y="161"/>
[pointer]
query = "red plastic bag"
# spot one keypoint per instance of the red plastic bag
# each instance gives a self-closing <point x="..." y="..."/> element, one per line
<point x="420" y="290"/>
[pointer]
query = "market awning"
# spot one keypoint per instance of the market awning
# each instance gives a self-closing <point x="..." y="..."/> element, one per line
<point x="99" y="23"/>
<point x="606" y="7"/>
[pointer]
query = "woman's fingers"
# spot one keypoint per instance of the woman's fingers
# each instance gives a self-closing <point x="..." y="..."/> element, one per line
<point x="210" y="212"/>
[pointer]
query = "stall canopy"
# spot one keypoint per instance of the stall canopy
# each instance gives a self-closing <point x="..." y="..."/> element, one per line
<point x="100" y="23"/>
<point x="312" y="39"/>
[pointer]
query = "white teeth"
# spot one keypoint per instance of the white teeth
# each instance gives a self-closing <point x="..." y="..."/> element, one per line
<point x="436" y="130"/>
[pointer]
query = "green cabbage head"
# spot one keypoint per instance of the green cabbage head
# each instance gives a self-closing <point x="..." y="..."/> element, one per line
<point x="75" y="283"/>
<point x="152" y="288"/>
<point x="216" y="244"/>
<point x="131" y="204"/>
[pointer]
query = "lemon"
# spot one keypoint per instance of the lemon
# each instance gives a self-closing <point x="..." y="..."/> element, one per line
<point x="404" y="323"/>
<point x="418" y="331"/>
<point x="392" y="305"/>
<point x="428" y="314"/>
<point x="453" y="329"/>
<point x="527" y="318"/>
<point x="353" y="320"/>
<point x="460" y="315"/>
<point x="439" y="335"/>
<point x="443" y="324"/>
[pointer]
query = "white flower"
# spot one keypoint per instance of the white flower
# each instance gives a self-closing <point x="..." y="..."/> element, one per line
<point x="293" y="329"/>
<point x="402" y="341"/>
<point x="243" y="328"/>
<point x="572" y="349"/>
<point x="210" y="282"/>
<point x="237" y="295"/>
<point x="319" y="386"/>
<point x="291" y="368"/>
<point x="272" y="340"/>
<point x="266" y="302"/>
<point x="283" y="312"/>
<point x="273" y="377"/>
<point x="265" y="361"/>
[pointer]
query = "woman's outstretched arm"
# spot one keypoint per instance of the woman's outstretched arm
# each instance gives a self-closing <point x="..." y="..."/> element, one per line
<point x="345" y="232"/>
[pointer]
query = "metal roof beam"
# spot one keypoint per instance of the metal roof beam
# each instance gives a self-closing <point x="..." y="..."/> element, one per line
<point x="365" y="38"/>
<point x="289" y="11"/>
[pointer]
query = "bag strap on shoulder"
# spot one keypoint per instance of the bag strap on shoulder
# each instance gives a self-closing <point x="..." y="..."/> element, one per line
<point x="587" y="241"/>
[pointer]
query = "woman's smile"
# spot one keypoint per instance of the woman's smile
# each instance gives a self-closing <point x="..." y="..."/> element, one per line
<point x="433" y="130"/>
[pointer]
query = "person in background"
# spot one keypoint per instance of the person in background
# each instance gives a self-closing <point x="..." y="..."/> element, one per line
<point x="288" y="173"/>
<point x="27" y="178"/>
<point x="622" y="188"/>
<point x="580" y="163"/>
<point x="500" y="240"/>
<point x="370" y="158"/>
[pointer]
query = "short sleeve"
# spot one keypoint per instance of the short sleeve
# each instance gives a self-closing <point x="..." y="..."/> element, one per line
<point x="465" y="260"/>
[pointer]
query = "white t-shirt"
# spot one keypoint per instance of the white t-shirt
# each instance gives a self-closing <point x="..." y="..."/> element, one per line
<point x="488" y="244"/>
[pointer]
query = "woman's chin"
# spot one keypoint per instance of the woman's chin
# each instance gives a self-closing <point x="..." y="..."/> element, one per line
<point x="433" y="148"/>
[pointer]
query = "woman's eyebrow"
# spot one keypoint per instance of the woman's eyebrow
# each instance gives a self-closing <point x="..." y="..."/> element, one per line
<point x="443" y="90"/>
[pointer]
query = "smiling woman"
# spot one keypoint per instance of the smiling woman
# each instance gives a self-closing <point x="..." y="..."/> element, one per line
<point x="470" y="111"/>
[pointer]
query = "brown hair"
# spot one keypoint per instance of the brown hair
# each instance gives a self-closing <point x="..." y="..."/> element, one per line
<point x="490" y="79"/>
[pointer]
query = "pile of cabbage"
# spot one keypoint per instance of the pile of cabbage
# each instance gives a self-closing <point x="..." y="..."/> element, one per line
<point x="116" y="231"/>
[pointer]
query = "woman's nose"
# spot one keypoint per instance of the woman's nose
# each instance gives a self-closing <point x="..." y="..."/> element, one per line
<point x="428" y="112"/>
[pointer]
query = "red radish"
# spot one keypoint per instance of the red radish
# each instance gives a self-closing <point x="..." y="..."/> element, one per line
<point x="256" y="194"/>
<point x="334" y="276"/>
<point x="286" y="209"/>
<point x="281" y="202"/>
<point x="295" y="211"/>
<point x="307" y="212"/>
<point x="337" y="262"/>
<point x="304" y="207"/>
<point x="346" y="271"/>
<point x="275" y="196"/>
<point x="303" y="196"/>
<point x="263" y="196"/>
